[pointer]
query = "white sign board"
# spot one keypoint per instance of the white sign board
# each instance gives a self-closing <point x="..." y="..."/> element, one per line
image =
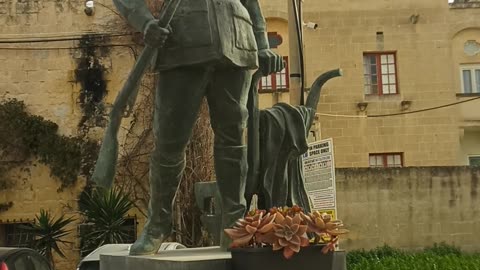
<point x="319" y="173"/>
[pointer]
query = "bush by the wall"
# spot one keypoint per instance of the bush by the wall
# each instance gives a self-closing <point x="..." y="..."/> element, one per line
<point x="438" y="257"/>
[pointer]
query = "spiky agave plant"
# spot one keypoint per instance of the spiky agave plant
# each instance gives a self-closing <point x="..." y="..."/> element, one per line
<point x="104" y="212"/>
<point x="48" y="233"/>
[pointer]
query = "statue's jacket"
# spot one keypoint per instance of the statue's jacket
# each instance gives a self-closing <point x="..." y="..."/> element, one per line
<point x="205" y="31"/>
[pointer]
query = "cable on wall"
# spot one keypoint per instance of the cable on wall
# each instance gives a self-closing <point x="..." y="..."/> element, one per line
<point x="397" y="114"/>
<point x="57" y="39"/>
<point x="298" y="24"/>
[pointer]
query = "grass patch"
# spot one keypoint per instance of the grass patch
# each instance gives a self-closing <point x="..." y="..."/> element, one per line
<point x="438" y="257"/>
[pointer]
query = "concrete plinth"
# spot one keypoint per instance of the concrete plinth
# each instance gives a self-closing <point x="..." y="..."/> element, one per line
<point x="211" y="258"/>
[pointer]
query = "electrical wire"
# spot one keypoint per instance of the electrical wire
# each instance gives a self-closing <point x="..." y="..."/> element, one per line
<point x="425" y="110"/>
<point x="297" y="11"/>
<point x="397" y="114"/>
<point x="56" y="34"/>
<point x="301" y="51"/>
<point x="341" y="115"/>
<point x="18" y="41"/>
<point x="39" y="34"/>
<point x="129" y="46"/>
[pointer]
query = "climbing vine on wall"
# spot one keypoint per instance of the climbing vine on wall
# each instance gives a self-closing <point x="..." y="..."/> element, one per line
<point x="23" y="135"/>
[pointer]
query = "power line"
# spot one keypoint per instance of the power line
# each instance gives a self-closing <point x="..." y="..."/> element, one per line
<point x="341" y="115"/>
<point x="425" y="110"/>
<point x="397" y="114"/>
<point x="129" y="46"/>
<point x="64" y="48"/>
<point x="57" y="39"/>
<point x="56" y="34"/>
<point x="298" y="24"/>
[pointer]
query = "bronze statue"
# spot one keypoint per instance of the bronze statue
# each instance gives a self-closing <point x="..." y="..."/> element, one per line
<point x="210" y="49"/>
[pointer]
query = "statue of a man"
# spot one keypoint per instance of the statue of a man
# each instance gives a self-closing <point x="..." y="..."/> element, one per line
<point x="209" y="50"/>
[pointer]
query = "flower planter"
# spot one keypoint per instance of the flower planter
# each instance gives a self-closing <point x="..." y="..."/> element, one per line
<point x="310" y="257"/>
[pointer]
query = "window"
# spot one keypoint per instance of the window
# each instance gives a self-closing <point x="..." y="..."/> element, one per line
<point x="470" y="75"/>
<point x="474" y="160"/>
<point x="275" y="81"/>
<point x="274" y="40"/>
<point x="380" y="73"/>
<point x="387" y="160"/>
<point x="14" y="235"/>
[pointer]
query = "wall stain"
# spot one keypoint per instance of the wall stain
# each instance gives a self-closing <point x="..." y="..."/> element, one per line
<point x="386" y="183"/>
<point x="474" y="185"/>
<point x="90" y="73"/>
<point x="451" y="183"/>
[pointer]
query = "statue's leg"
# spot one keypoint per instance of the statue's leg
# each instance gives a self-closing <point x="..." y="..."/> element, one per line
<point x="178" y="98"/>
<point x="227" y="99"/>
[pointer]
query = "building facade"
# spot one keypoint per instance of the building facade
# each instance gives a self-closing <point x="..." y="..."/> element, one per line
<point x="398" y="57"/>
<point x="401" y="60"/>
<point x="66" y="66"/>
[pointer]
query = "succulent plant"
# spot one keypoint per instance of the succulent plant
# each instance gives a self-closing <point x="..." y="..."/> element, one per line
<point x="326" y="229"/>
<point x="251" y="227"/>
<point x="290" y="233"/>
<point x="286" y="228"/>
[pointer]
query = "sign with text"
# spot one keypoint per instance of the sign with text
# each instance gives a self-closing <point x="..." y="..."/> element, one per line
<point x="319" y="173"/>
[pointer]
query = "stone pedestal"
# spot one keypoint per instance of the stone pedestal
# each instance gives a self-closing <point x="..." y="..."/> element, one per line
<point x="211" y="258"/>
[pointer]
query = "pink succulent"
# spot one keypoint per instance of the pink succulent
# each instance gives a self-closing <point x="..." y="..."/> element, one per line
<point x="290" y="235"/>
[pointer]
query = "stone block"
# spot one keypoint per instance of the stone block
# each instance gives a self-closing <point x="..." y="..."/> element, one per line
<point x="211" y="258"/>
<point x="333" y="132"/>
<point x="18" y="76"/>
<point x="37" y="75"/>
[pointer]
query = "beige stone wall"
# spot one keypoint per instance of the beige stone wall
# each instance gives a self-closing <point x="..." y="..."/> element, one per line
<point x="43" y="75"/>
<point x="470" y="146"/>
<point x="429" y="53"/>
<point x="35" y="190"/>
<point x="410" y="207"/>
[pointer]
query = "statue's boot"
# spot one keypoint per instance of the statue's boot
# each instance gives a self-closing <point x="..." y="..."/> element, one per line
<point x="231" y="171"/>
<point x="164" y="181"/>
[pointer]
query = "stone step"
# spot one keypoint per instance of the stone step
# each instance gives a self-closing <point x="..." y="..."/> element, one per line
<point x="208" y="258"/>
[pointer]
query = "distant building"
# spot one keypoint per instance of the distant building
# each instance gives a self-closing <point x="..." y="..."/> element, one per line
<point x="398" y="57"/>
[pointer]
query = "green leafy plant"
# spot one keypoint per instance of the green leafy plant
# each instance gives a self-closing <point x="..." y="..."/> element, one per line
<point x="104" y="212"/>
<point x="48" y="233"/>
<point x="443" y="248"/>
<point x="286" y="229"/>
<point x="440" y="256"/>
<point x="23" y="135"/>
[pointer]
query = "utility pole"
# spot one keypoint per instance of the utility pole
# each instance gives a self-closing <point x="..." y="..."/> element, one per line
<point x="294" y="56"/>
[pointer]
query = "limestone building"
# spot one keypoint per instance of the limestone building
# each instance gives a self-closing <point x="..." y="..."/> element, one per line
<point x="398" y="57"/>
<point x="66" y="66"/>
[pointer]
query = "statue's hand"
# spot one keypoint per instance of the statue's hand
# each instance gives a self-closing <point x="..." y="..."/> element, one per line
<point x="154" y="35"/>
<point x="270" y="62"/>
